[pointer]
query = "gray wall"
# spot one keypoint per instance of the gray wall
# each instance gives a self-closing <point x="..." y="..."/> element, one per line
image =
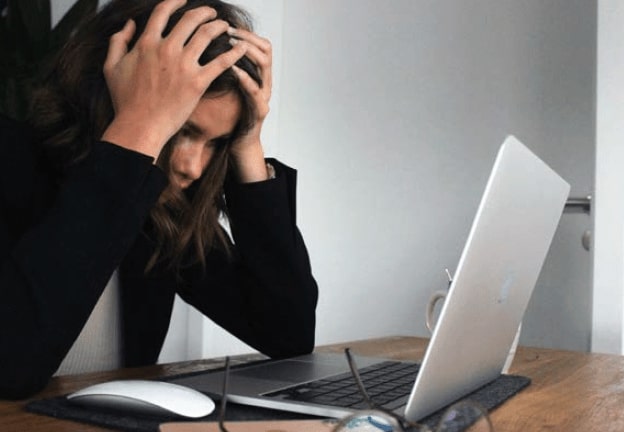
<point x="393" y="111"/>
<point x="59" y="7"/>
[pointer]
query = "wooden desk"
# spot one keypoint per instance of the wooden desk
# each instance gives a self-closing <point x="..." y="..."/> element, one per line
<point x="570" y="391"/>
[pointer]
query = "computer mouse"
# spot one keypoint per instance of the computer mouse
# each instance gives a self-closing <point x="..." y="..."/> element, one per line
<point x="145" y="397"/>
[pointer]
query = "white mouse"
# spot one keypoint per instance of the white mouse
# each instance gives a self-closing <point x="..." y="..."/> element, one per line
<point x="145" y="397"/>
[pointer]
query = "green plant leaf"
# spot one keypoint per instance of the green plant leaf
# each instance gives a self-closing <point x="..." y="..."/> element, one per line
<point x="27" y="43"/>
<point x="4" y="36"/>
<point x="13" y="102"/>
<point x="36" y="16"/>
<point x="18" y="49"/>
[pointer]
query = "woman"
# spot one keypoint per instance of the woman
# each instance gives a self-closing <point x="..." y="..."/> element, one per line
<point x="146" y="132"/>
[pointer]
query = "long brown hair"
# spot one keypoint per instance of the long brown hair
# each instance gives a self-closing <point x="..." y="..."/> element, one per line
<point x="73" y="108"/>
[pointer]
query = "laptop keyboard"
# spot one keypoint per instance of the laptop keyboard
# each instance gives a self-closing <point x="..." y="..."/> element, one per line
<point x="388" y="384"/>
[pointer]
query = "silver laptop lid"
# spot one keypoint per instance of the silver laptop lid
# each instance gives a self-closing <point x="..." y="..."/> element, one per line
<point x="499" y="266"/>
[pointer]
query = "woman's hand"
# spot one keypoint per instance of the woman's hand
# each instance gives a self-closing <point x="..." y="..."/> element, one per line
<point x="247" y="150"/>
<point x="156" y="85"/>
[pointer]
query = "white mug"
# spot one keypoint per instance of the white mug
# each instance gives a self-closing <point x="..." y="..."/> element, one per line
<point x="433" y="300"/>
<point x="430" y="322"/>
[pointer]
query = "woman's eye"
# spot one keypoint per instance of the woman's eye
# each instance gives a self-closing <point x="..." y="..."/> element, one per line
<point x="219" y="142"/>
<point x="214" y="144"/>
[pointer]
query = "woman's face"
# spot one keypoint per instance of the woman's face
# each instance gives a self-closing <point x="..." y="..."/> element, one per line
<point x="214" y="119"/>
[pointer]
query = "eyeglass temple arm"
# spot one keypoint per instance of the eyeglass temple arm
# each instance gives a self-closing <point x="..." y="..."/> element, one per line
<point x="358" y="379"/>
<point x="402" y="421"/>
<point x="224" y="393"/>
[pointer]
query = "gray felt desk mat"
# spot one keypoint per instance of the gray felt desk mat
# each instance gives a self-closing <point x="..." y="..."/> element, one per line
<point x="489" y="396"/>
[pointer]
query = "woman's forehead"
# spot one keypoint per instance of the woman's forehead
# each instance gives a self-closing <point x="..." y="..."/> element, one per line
<point x="216" y="115"/>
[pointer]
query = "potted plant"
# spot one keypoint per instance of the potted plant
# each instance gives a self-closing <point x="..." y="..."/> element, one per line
<point x="28" y="45"/>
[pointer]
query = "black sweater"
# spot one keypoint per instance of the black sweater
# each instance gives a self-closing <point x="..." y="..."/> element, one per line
<point x="60" y="242"/>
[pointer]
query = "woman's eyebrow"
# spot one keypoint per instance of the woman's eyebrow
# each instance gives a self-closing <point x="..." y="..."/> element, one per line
<point x="195" y="129"/>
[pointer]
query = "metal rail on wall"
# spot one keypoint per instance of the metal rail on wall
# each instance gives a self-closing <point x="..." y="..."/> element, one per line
<point x="578" y="205"/>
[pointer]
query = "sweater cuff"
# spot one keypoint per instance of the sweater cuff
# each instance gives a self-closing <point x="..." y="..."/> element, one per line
<point x="127" y="172"/>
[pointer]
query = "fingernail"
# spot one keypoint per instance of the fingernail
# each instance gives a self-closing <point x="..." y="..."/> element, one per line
<point x="233" y="41"/>
<point x="238" y="72"/>
<point x="231" y="31"/>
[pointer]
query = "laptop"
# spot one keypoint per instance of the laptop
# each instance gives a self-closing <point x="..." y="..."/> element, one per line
<point x="497" y="271"/>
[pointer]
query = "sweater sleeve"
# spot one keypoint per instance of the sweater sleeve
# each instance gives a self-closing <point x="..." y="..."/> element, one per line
<point x="53" y="272"/>
<point x="265" y="294"/>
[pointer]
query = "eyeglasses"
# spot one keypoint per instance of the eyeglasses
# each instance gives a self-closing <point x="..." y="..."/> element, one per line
<point x="465" y="415"/>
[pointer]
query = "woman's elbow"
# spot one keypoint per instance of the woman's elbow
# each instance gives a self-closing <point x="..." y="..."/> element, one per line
<point x="293" y="341"/>
<point x="24" y="374"/>
<point x="23" y="386"/>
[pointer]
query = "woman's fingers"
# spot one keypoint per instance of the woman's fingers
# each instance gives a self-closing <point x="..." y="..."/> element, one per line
<point x="224" y="61"/>
<point x="159" y="18"/>
<point x="118" y="45"/>
<point x="248" y="83"/>
<point x="190" y="22"/>
<point x="259" y="50"/>
<point x="263" y="44"/>
<point x="204" y="36"/>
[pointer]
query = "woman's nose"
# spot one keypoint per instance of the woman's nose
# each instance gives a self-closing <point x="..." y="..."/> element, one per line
<point x="193" y="161"/>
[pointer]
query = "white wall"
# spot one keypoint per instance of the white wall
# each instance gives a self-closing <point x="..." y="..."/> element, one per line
<point x="608" y="322"/>
<point x="393" y="113"/>
<point x="58" y="9"/>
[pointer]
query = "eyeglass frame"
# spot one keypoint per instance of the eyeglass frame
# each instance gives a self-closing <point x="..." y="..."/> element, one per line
<point x="404" y="424"/>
